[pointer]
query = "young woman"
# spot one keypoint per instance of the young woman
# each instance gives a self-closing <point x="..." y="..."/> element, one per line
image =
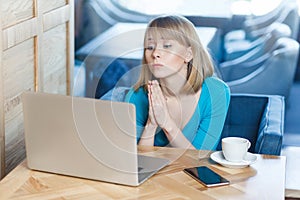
<point x="178" y="101"/>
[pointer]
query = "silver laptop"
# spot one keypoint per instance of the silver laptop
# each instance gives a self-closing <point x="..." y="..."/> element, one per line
<point x="83" y="137"/>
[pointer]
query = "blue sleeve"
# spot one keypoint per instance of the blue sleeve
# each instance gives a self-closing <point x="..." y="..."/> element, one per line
<point x="140" y="99"/>
<point x="213" y="103"/>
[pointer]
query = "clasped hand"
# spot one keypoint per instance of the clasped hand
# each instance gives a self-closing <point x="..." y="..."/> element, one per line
<point x="158" y="110"/>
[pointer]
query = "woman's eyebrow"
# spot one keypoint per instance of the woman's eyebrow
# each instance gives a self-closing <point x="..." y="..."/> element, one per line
<point x="150" y="39"/>
<point x="162" y="38"/>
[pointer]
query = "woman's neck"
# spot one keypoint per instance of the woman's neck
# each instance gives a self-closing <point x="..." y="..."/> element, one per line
<point x="172" y="86"/>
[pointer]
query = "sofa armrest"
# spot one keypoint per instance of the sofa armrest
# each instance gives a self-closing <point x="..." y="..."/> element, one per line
<point x="116" y="94"/>
<point x="269" y="140"/>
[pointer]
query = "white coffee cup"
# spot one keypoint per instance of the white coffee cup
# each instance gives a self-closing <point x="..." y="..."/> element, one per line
<point x="235" y="148"/>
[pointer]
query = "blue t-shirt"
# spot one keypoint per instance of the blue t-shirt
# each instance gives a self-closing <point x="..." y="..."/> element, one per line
<point x="205" y="126"/>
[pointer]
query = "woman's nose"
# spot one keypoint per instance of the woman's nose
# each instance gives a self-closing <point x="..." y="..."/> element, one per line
<point x="156" y="53"/>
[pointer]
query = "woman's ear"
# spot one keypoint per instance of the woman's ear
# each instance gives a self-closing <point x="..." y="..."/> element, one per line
<point x="189" y="55"/>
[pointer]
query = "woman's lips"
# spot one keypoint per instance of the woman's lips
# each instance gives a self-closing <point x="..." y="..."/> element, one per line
<point x="156" y="65"/>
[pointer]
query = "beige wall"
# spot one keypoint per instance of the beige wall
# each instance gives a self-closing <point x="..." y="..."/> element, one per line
<point x="36" y="54"/>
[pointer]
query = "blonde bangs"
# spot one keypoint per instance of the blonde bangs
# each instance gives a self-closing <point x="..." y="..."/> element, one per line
<point x="166" y="33"/>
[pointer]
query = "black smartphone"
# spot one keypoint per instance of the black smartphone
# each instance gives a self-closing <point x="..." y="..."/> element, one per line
<point x="206" y="176"/>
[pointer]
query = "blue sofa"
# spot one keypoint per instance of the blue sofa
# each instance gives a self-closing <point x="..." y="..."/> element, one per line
<point x="273" y="76"/>
<point x="259" y="118"/>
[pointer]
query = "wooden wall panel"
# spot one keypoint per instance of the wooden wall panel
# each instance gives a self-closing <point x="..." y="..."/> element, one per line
<point x="19" y="73"/>
<point x="56" y="17"/>
<point x="54" y="60"/>
<point x="16" y="11"/>
<point x="19" y="33"/>
<point x="48" y="5"/>
<point x="37" y="54"/>
<point x="2" y="123"/>
<point x="19" y="76"/>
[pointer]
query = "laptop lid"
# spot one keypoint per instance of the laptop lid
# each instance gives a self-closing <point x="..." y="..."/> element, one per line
<point x="83" y="137"/>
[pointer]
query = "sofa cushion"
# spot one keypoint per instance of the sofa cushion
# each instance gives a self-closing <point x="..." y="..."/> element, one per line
<point x="243" y="118"/>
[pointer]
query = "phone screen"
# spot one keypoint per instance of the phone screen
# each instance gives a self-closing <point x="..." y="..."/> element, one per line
<point x="206" y="176"/>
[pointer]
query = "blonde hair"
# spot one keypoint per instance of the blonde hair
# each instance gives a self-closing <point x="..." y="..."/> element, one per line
<point x="183" y="31"/>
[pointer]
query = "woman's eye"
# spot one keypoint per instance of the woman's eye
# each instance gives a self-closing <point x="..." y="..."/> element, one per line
<point x="150" y="48"/>
<point x="166" y="46"/>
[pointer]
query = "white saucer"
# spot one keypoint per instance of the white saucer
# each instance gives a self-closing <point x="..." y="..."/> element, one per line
<point x="219" y="158"/>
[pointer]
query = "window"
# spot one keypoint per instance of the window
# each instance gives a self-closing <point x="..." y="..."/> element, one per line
<point x="200" y="7"/>
<point x="184" y="7"/>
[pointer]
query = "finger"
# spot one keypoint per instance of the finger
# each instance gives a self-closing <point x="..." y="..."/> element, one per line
<point x="150" y="112"/>
<point x="154" y="96"/>
<point x="159" y="94"/>
<point x="150" y="96"/>
<point x="150" y="107"/>
<point x="158" y="89"/>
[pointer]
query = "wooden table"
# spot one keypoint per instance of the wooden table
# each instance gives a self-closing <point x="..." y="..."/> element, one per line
<point x="262" y="180"/>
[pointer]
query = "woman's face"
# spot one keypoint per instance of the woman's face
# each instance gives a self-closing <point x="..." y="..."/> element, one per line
<point x="166" y="57"/>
